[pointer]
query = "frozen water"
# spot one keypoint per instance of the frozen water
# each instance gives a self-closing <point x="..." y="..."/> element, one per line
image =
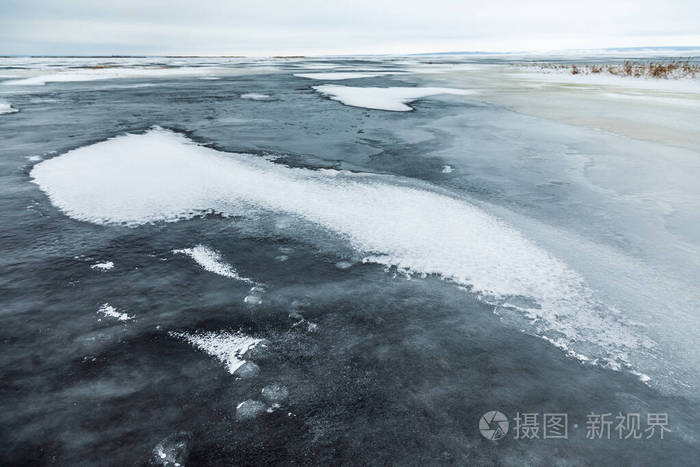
<point x="389" y="221"/>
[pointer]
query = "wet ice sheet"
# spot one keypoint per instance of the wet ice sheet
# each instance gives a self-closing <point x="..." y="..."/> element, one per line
<point x="394" y="98"/>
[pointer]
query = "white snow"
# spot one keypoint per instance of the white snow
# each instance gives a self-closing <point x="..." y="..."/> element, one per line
<point x="210" y="260"/>
<point x="227" y="347"/>
<point x="104" y="266"/>
<point x="255" y="96"/>
<point x="111" y="312"/>
<point x="90" y="74"/>
<point x="339" y="75"/>
<point x="163" y="176"/>
<point x="393" y="98"/>
<point x="6" y="108"/>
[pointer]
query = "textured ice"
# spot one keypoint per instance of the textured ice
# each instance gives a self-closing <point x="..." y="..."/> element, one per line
<point x="6" y="108"/>
<point x="249" y="409"/>
<point x="275" y="393"/>
<point x="339" y="75"/>
<point x="394" y="98"/>
<point x="111" y="312"/>
<point x="227" y="347"/>
<point x="173" y="450"/>
<point x="210" y="260"/>
<point x="163" y="176"/>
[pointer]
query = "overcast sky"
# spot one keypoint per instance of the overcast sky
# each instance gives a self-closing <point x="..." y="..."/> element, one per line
<point x="315" y="27"/>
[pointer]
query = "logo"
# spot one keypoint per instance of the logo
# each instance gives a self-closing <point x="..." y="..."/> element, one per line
<point x="493" y="425"/>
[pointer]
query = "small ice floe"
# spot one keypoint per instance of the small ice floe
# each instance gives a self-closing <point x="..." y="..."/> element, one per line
<point x="34" y="158"/>
<point x="644" y="378"/>
<point x="111" y="312"/>
<point x="343" y="265"/>
<point x="6" y="108"/>
<point x="210" y="260"/>
<point x="227" y="347"/>
<point x="172" y="451"/>
<point x="249" y="409"/>
<point x="253" y="299"/>
<point x="104" y="266"/>
<point x="393" y="98"/>
<point x="447" y="169"/>
<point x="281" y="258"/>
<point x="255" y="295"/>
<point x="286" y="250"/>
<point x="275" y="394"/>
<point x="256" y="96"/>
<point x="247" y="370"/>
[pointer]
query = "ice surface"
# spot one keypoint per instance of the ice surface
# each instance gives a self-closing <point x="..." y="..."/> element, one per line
<point x="210" y="260"/>
<point x="227" y="347"/>
<point x="111" y="312"/>
<point x="339" y="75"/>
<point x="393" y="98"/>
<point x="6" y="108"/>
<point x="163" y="176"/>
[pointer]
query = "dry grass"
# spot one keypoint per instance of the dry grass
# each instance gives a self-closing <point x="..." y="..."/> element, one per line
<point x="662" y="70"/>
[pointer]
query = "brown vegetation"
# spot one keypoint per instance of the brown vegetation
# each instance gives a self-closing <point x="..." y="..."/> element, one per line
<point x="662" y="70"/>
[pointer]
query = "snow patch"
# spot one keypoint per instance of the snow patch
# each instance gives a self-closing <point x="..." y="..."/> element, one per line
<point x="6" y="108"/>
<point x="340" y="75"/>
<point x="111" y="312"/>
<point x="104" y="266"/>
<point x="256" y="96"/>
<point x="227" y="347"/>
<point x="393" y="99"/>
<point x="210" y="260"/>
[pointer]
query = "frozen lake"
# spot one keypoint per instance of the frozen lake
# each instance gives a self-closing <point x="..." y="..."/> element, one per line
<point x="344" y="260"/>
